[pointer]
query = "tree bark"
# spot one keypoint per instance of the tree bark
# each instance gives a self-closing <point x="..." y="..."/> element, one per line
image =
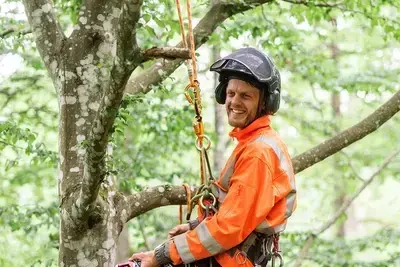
<point x="167" y="53"/>
<point x="123" y="245"/>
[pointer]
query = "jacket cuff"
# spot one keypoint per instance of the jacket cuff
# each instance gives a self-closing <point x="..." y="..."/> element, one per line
<point x="193" y="223"/>
<point x="161" y="253"/>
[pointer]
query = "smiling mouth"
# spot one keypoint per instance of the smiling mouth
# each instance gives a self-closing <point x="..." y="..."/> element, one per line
<point x="235" y="111"/>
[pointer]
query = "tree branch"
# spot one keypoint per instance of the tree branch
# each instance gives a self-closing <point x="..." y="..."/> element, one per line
<point x="127" y="58"/>
<point x="214" y="17"/>
<point x="348" y="136"/>
<point x="354" y="171"/>
<point x="144" y="201"/>
<point x="342" y="209"/>
<point x="308" y="3"/>
<point x="127" y="48"/>
<point x="47" y="31"/>
<point x="151" y="198"/>
<point x="14" y="30"/>
<point x="167" y="53"/>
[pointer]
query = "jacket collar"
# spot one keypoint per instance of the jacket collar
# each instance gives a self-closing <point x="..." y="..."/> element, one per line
<point x="243" y="134"/>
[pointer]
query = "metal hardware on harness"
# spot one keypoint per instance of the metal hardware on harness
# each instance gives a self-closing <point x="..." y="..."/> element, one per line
<point x="200" y="146"/>
<point x="244" y="257"/>
<point x="203" y="193"/>
<point x="279" y="257"/>
<point x="276" y="252"/>
<point x="212" y="205"/>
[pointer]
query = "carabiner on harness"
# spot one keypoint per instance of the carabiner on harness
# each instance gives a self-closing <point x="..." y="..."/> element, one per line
<point x="277" y="256"/>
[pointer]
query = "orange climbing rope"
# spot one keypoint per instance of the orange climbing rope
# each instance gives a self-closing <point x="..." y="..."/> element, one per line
<point x="191" y="63"/>
<point x="189" y="197"/>
<point x="194" y="88"/>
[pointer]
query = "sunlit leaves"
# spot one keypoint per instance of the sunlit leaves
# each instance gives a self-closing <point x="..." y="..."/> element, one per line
<point x="23" y="139"/>
<point x="339" y="252"/>
<point x="151" y="134"/>
<point x="28" y="219"/>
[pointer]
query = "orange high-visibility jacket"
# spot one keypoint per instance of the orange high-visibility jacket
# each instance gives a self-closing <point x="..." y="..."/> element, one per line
<point x="256" y="193"/>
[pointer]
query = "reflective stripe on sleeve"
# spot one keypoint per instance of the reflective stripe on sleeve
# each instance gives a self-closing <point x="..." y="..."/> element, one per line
<point x="265" y="228"/>
<point x="290" y="201"/>
<point x="182" y="247"/>
<point x="207" y="240"/>
<point x="226" y="177"/>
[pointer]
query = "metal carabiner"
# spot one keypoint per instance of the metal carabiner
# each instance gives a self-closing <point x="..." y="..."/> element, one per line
<point x="214" y="201"/>
<point x="194" y="86"/>
<point x="279" y="256"/>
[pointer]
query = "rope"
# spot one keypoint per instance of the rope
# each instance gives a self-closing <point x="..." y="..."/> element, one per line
<point x="191" y="38"/>
<point x="202" y="142"/>
<point x="178" y="7"/>
<point x="188" y="197"/>
<point x="191" y="64"/>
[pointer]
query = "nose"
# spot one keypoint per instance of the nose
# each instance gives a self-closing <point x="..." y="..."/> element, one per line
<point x="235" y="99"/>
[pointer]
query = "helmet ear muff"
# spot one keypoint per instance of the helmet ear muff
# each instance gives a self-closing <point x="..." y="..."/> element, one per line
<point x="273" y="101"/>
<point x="274" y="95"/>
<point x="220" y="92"/>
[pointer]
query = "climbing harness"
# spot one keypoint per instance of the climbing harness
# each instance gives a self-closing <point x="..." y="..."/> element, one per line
<point x="203" y="196"/>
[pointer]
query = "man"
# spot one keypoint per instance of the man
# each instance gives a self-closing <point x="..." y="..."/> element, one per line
<point x="256" y="189"/>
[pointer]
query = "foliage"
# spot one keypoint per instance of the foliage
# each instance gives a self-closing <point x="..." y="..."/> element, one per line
<point x="350" y="50"/>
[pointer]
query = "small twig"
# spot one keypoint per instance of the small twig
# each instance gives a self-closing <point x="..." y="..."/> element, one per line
<point x="12" y="145"/>
<point x="352" y="167"/>
<point x="347" y="203"/>
<point x="146" y="243"/>
<point x="307" y="3"/>
<point x="10" y="31"/>
<point x="342" y="209"/>
<point x="265" y="16"/>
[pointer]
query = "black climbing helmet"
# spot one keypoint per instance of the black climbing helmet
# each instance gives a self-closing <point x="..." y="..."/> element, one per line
<point x="253" y="66"/>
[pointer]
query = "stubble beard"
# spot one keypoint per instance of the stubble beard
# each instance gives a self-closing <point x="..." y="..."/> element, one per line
<point x="238" y="123"/>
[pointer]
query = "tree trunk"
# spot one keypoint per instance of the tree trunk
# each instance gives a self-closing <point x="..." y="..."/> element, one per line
<point x="123" y="245"/>
<point x="95" y="246"/>
<point x="340" y="185"/>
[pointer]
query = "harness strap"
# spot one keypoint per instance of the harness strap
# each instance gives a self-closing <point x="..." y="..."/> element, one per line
<point x="248" y="242"/>
<point x="256" y="247"/>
